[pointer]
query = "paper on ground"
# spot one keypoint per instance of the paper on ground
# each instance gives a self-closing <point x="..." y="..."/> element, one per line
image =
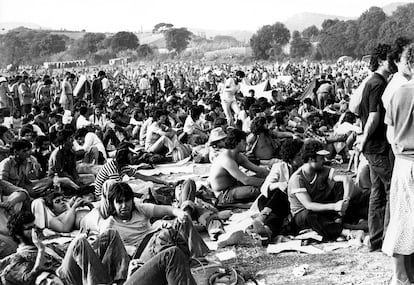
<point x="226" y="255"/>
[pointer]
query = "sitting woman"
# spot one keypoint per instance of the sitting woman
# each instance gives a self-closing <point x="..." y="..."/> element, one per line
<point x="6" y="139"/>
<point x="54" y="213"/>
<point x="159" y="137"/>
<point x="261" y="144"/>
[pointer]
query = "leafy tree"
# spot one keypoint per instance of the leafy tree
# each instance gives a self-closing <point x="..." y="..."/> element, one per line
<point x="177" y="39"/>
<point x="124" y="40"/>
<point x="51" y="44"/>
<point x="268" y="40"/>
<point x="329" y="23"/>
<point x="400" y="24"/>
<point x="369" y="24"/>
<point x="14" y="48"/>
<point x="162" y="27"/>
<point x="144" y="51"/>
<point x="298" y="46"/>
<point x="310" y="32"/>
<point x="89" y="43"/>
<point x="338" y="39"/>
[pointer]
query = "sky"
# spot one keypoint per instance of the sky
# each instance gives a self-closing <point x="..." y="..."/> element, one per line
<point x="137" y="15"/>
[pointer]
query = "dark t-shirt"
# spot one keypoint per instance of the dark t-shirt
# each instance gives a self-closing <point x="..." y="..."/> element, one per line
<point x="371" y="100"/>
<point x="318" y="189"/>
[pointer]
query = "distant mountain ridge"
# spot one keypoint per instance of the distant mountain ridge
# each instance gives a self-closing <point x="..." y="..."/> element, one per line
<point x="301" y="21"/>
<point x="298" y="22"/>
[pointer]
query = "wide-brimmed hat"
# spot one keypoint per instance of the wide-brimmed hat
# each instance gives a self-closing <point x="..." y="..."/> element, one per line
<point x="217" y="134"/>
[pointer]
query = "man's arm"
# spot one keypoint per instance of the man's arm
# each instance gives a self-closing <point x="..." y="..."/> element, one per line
<point x="348" y="185"/>
<point x="370" y="126"/>
<point x="246" y="163"/>
<point x="233" y="169"/>
<point x="307" y="202"/>
<point x="149" y="178"/>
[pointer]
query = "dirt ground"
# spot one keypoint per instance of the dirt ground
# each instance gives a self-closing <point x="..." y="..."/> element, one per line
<point x="342" y="266"/>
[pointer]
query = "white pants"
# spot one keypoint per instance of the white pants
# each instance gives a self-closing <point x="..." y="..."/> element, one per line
<point x="228" y="106"/>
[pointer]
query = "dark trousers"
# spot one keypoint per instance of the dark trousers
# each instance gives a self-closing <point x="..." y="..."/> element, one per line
<point x="324" y="223"/>
<point x="170" y="266"/>
<point x="279" y="203"/>
<point x="380" y="166"/>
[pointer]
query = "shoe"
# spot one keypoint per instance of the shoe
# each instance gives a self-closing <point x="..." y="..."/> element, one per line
<point x="230" y="238"/>
<point x="261" y="229"/>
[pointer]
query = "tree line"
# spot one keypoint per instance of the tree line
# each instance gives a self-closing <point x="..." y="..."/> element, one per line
<point x="25" y="46"/>
<point x="336" y="38"/>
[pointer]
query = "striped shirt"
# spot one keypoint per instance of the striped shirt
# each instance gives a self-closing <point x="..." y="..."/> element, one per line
<point x="110" y="171"/>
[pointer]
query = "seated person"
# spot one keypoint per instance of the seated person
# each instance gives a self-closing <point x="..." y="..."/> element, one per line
<point x="62" y="162"/>
<point x="103" y="261"/>
<point x="260" y="143"/>
<point x="117" y="168"/>
<point x="54" y="213"/>
<point x="82" y="121"/>
<point x="273" y="205"/>
<point x="23" y="170"/>
<point x="227" y="181"/>
<point x="119" y="211"/>
<point x="196" y="135"/>
<point x="307" y="109"/>
<point x="42" y="153"/>
<point x="91" y="144"/>
<point x="216" y="143"/>
<point x="6" y="139"/>
<point x="98" y="118"/>
<point x="159" y="137"/>
<point x="318" y="201"/>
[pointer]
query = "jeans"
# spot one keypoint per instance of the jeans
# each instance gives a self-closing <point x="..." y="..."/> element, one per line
<point x="102" y="262"/>
<point x="238" y="194"/>
<point x="205" y="216"/>
<point x="380" y="166"/>
<point x="170" y="266"/>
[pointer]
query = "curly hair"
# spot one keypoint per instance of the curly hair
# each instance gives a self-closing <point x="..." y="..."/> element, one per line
<point x="408" y="53"/>
<point x="234" y="137"/>
<point x="290" y="148"/>
<point x="16" y="223"/>
<point x="259" y="126"/>
<point x="381" y="52"/>
<point x="310" y="148"/>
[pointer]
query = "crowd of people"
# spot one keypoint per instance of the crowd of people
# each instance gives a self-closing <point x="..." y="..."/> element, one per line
<point x="73" y="147"/>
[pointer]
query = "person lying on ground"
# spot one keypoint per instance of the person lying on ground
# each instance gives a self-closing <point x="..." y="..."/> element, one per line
<point x="320" y="199"/>
<point x="103" y="261"/>
<point x="12" y="199"/>
<point x="117" y="168"/>
<point x="228" y="182"/>
<point x="55" y="213"/>
<point x="132" y="219"/>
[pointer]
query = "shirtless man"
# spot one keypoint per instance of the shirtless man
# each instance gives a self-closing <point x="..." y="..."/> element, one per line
<point x="227" y="181"/>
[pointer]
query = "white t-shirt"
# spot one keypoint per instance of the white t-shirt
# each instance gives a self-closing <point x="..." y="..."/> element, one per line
<point x="82" y="122"/>
<point x="91" y="140"/>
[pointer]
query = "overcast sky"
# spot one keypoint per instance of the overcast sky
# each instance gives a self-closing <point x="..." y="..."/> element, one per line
<point x="132" y="15"/>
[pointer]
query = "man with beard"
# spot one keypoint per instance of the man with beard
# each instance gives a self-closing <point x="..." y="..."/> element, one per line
<point x="320" y="199"/>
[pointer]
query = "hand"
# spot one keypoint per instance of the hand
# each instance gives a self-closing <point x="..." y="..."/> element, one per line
<point x="6" y="205"/>
<point x="181" y="215"/>
<point x="359" y="144"/>
<point x="37" y="238"/>
<point x="341" y="206"/>
<point x="78" y="203"/>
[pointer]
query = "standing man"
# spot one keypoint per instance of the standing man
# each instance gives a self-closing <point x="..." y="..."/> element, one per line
<point x="66" y="97"/>
<point x="228" y="96"/>
<point x="25" y="95"/>
<point x="97" y="88"/>
<point x="155" y="84"/>
<point x="374" y="145"/>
